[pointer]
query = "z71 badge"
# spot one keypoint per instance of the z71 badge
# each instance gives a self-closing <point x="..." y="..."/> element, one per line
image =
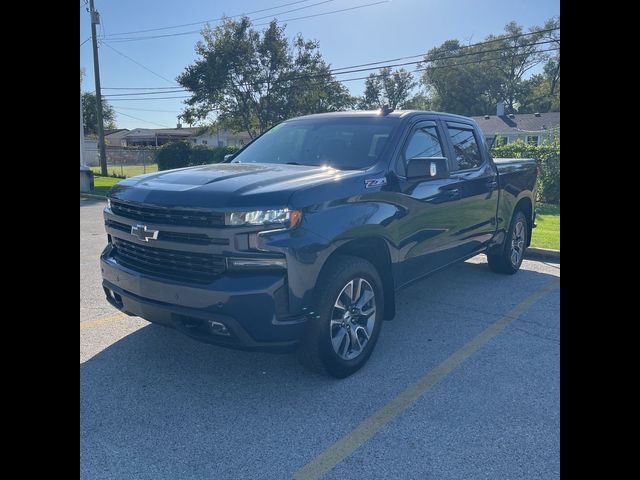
<point x="375" y="182"/>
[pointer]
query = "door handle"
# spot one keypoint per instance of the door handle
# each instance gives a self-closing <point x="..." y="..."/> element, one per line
<point x="454" y="193"/>
<point x="492" y="185"/>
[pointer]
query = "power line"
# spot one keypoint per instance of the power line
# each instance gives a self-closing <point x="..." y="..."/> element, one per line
<point x="137" y="63"/>
<point x="82" y="43"/>
<point x="333" y="72"/>
<point x="148" y="110"/>
<point x="474" y="62"/>
<point x="148" y="98"/>
<point x="462" y="46"/>
<point x="212" y="19"/>
<point x="142" y="119"/>
<point x="142" y="93"/>
<point x="425" y="60"/>
<point x="336" y="70"/>
<point x="138" y="88"/>
<point x="191" y="32"/>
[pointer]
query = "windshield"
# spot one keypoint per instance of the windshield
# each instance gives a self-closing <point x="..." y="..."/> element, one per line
<point x="343" y="143"/>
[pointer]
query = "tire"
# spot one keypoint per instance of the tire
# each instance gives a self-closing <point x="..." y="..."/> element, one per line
<point x="329" y="345"/>
<point x="510" y="259"/>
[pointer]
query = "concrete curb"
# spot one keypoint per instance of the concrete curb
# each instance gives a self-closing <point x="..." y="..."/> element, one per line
<point x="542" y="254"/>
<point x="95" y="197"/>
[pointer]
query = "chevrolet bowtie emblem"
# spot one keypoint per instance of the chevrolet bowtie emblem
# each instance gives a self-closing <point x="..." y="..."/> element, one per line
<point x="143" y="233"/>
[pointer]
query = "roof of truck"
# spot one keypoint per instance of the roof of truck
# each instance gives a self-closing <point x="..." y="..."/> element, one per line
<point x="376" y="113"/>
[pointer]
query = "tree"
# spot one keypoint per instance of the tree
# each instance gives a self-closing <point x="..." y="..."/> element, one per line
<point x="386" y="87"/>
<point x="519" y="55"/>
<point x="420" y="101"/>
<point x="541" y="92"/>
<point x="459" y="84"/>
<point x="253" y="80"/>
<point x="470" y="80"/>
<point x="89" y="112"/>
<point x="90" y="116"/>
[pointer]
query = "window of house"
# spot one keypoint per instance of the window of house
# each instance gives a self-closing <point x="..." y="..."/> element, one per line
<point x="205" y="142"/>
<point x="465" y="147"/>
<point x="501" y="140"/>
<point x="532" y="139"/>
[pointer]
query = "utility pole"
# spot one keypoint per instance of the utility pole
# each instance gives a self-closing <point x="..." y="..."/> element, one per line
<point x="95" y="19"/>
<point x="81" y="132"/>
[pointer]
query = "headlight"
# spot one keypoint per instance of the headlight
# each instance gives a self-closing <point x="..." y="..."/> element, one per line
<point x="108" y="203"/>
<point x="282" y="216"/>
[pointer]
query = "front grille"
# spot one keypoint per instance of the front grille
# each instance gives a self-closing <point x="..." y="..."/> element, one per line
<point x="171" y="216"/>
<point x="172" y="264"/>
<point x="192" y="238"/>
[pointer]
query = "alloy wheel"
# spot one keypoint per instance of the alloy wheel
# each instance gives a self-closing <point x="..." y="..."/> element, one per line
<point x="353" y="318"/>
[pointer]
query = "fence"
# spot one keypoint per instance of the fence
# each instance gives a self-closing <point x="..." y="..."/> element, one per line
<point x="123" y="161"/>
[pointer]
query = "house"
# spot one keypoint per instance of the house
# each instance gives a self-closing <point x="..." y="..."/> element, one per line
<point x="157" y="136"/>
<point x="221" y="138"/>
<point x="528" y="127"/>
<point x="196" y="135"/>
<point x="113" y="137"/>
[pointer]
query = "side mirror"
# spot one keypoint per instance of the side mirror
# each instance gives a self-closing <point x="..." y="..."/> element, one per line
<point x="228" y="157"/>
<point x="427" y="168"/>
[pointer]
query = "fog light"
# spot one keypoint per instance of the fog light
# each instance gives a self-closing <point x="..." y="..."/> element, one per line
<point x="250" y="263"/>
<point x="218" y="328"/>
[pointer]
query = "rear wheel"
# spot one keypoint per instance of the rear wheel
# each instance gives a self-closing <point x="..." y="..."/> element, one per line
<point x="510" y="259"/>
<point x="349" y="308"/>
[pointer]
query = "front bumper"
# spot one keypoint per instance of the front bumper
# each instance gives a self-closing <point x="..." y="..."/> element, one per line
<point x="248" y="305"/>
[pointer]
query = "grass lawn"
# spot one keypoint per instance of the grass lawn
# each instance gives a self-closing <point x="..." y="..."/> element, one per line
<point x="547" y="233"/>
<point x="128" y="170"/>
<point x="103" y="184"/>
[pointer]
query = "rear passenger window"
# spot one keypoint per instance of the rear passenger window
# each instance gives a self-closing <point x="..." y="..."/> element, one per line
<point x="424" y="143"/>
<point x="465" y="148"/>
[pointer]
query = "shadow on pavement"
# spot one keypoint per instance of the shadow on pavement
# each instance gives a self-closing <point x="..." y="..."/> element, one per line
<point x="157" y="404"/>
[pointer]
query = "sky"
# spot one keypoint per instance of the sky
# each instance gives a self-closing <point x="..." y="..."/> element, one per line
<point x="391" y="29"/>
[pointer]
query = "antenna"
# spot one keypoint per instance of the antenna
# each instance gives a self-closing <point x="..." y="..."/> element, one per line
<point x="386" y="110"/>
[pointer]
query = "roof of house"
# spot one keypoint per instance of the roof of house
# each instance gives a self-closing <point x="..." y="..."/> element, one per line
<point x="152" y="132"/>
<point x="111" y="131"/>
<point x="519" y="123"/>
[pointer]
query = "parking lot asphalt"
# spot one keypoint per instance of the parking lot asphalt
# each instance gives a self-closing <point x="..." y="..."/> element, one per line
<point x="155" y="404"/>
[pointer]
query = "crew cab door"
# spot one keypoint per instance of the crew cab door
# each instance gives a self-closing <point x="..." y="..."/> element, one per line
<point x="475" y="178"/>
<point x="429" y="208"/>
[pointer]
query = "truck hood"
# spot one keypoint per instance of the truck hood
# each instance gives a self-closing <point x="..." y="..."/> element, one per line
<point x="228" y="185"/>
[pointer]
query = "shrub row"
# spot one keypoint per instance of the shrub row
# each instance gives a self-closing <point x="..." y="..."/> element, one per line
<point x="547" y="155"/>
<point x="185" y="154"/>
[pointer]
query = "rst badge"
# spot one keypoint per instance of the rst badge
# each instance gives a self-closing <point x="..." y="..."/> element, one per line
<point x="375" y="182"/>
<point x="143" y="233"/>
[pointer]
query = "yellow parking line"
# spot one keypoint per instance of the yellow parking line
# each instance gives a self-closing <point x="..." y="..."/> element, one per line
<point x="102" y="321"/>
<point x="348" y="444"/>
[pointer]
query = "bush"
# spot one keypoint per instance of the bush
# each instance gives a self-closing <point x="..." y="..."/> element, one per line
<point x="547" y="154"/>
<point x="200" y="155"/>
<point x="184" y="154"/>
<point x="173" y="155"/>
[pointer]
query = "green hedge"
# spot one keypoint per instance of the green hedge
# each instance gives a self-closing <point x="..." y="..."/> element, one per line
<point x="547" y="155"/>
<point x="185" y="154"/>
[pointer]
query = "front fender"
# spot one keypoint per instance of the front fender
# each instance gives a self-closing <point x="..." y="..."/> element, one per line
<point x="322" y="232"/>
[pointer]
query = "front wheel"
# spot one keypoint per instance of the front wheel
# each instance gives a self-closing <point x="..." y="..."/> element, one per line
<point x="510" y="259"/>
<point x="341" y="336"/>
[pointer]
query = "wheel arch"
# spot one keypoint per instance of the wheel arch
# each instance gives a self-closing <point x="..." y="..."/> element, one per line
<point x="525" y="205"/>
<point x="376" y="251"/>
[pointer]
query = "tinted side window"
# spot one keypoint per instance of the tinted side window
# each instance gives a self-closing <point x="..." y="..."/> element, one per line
<point x="466" y="148"/>
<point x="424" y="143"/>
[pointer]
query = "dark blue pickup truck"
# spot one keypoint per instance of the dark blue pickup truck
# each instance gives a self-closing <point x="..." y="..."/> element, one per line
<point x="302" y="238"/>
